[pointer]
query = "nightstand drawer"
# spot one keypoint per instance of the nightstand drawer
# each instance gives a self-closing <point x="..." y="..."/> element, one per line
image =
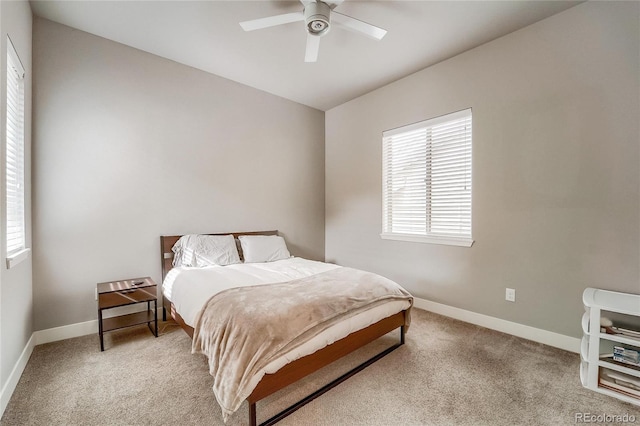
<point x="126" y="297"/>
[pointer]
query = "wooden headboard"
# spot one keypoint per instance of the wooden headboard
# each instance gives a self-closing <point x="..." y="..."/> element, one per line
<point x="167" y="242"/>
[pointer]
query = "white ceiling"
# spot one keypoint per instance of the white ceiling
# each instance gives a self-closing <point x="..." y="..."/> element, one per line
<point x="206" y="35"/>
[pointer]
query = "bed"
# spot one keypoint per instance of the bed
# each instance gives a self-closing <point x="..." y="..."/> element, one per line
<point x="188" y="298"/>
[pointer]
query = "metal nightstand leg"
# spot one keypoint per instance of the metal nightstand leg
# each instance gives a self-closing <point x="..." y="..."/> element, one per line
<point x="100" y="332"/>
<point x="155" y="311"/>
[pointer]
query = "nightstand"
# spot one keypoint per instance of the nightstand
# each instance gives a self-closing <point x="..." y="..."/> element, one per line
<point x="127" y="292"/>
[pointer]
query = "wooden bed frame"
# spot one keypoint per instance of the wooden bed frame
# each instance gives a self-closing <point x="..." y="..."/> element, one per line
<point x="304" y="366"/>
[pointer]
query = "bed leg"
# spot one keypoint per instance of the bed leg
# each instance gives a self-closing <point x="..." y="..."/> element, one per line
<point x="164" y="313"/>
<point x="252" y="414"/>
<point x="402" y="331"/>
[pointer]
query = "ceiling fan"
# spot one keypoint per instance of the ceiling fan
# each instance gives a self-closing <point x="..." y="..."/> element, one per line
<point x="318" y="17"/>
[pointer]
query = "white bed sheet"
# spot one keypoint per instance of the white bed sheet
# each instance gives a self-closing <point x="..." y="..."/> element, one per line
<point x="190" y="288"/>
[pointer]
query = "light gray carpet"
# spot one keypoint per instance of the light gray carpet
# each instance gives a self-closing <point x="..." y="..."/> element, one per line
<point x="449" y="372"/>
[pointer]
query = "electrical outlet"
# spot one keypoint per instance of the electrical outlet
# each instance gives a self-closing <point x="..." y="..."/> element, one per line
<point x="510" y="295"/>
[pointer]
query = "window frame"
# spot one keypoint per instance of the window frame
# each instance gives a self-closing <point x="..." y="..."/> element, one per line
<point x="15" y="148"/>
<point x="427" y="235"/>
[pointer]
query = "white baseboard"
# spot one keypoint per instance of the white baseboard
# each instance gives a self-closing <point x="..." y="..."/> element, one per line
<point x="81" y="328"/>
<point x="571" y="344"/>
<point x="14" y="377"/>
<point x="65" y="332"/>
<point x="561" y="341"/>
<point x="550" y="338"/>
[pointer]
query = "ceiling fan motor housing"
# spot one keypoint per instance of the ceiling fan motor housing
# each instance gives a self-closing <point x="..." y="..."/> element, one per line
<point x="317" y="18"/>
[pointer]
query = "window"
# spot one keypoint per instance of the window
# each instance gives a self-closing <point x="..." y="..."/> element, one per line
<point x="427" y="181"/>
<point x="16" y="241"/>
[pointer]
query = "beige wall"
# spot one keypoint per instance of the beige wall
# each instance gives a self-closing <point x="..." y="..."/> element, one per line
<point x="555" y="166"/>
<point x="129" y="146"/>
<point x="16" y="324"/>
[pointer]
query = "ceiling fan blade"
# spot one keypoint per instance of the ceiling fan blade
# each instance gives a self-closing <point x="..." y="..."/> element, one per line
<point x="272" y="21"/>
<point x="306" y="2"/>
<point x="313" y="46"/>
<point x="354" y="24"/>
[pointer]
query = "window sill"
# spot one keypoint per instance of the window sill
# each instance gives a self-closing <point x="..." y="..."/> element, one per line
<point x="18" y="257"/>
<point x="449" y="241"/>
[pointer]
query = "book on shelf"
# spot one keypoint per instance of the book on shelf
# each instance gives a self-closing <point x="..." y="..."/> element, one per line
<point x="610" y="358"/>
<point x="633" y="334"/>
<point x="626" y="355"/>
<point x="621" y="379"/>
<point x="619" y="388"/>
<point x="627" y="332"/>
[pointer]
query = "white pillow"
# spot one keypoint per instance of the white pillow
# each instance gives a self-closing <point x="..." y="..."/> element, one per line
<point x="263" y="248"/>
<point x="205" y="250"/>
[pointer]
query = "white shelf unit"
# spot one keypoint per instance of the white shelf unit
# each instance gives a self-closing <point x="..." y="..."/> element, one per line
<point x="604" y="303"/>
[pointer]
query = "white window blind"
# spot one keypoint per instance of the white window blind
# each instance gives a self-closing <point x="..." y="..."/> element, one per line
<point x="15" y="153"/>
<point x="427" y="181"/>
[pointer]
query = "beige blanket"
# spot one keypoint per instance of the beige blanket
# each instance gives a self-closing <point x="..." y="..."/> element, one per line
<point x="241" y="330"/>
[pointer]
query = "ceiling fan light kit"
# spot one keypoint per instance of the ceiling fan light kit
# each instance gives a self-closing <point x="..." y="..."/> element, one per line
<point x="317" y="18"/>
